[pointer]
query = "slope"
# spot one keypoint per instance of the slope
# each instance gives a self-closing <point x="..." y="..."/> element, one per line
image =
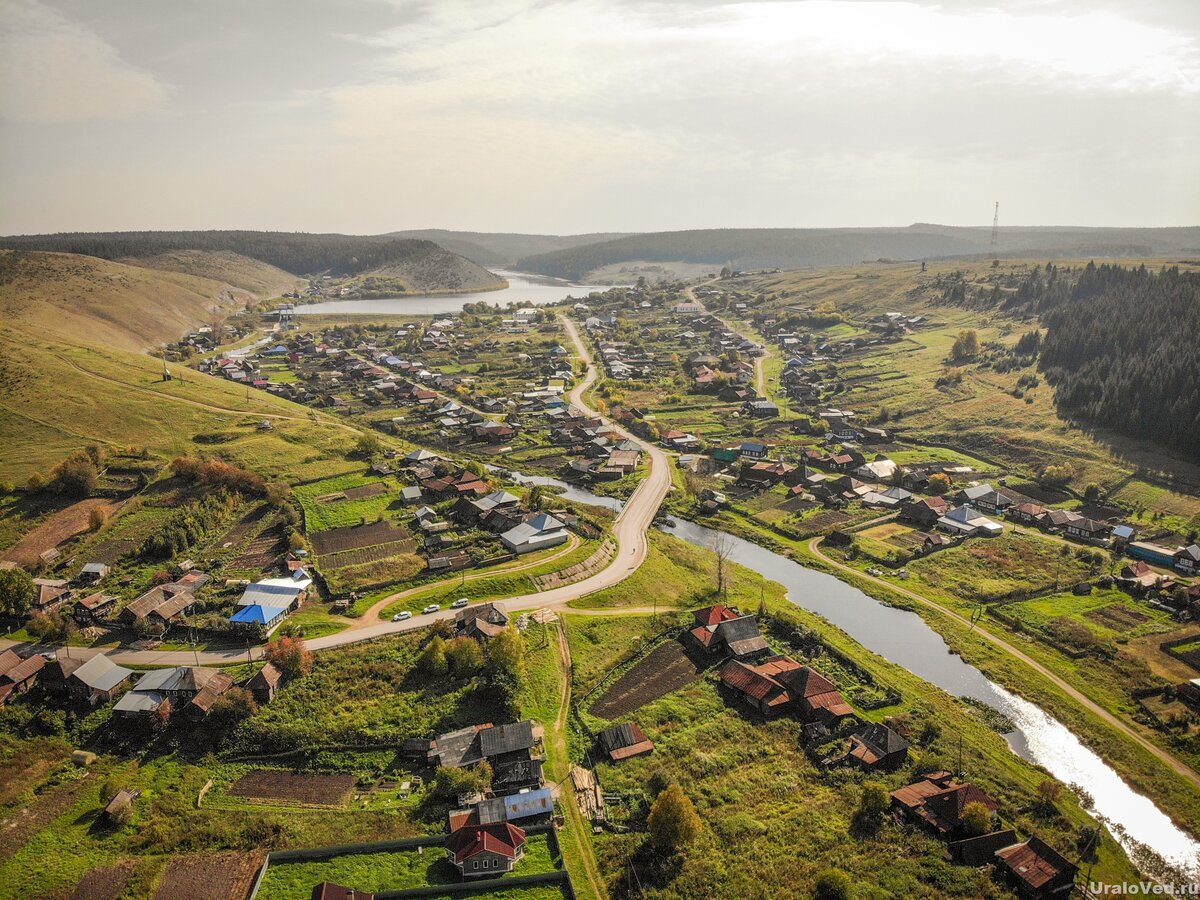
<point x="423" y="265"/>
<point x="503" y="249"/>
<point x="72" y="371"/>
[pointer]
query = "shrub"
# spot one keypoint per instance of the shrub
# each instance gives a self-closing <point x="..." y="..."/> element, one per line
<point x="290" y="656"/>
<point x="673" y="823"/>
<point x="832" y="884"/>
<point x="976" y="819"/>
<point x="97" y="518"/>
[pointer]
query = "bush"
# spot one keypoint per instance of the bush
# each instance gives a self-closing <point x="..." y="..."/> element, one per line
<point x="832" y="884"/>
<point x="290" y="656"/>
<point x="97" y="518"/>
<point x="214" y="473"/>
<point x="673" y="823"/>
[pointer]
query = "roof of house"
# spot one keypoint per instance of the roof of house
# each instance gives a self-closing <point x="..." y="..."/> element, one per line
<point x="874" y="742"/>
<point x="327" y="890"/>
<point x="741" y="636"/>
<point x="506" y="738"/>
<point x="257" y="614"/>
<point x="1035" y="862"/>
<point x="180" y="678"/>
<point x="25" y="669"/>
<point x="625" y="740"/>
<point x="101" y="674"/>
<point x="268" y="676"/>
<point x="759" y="681"/>
<point x="9" y="660"/>
<point x="501" y="838"/>
<point x="156" y="599"/>
<point x="713" y="615"/>
<point x="140" y="701"/>
<point x="217" y="685"/>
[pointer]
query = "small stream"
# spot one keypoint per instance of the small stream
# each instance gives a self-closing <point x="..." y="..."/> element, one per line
<point x="904" y="638"/>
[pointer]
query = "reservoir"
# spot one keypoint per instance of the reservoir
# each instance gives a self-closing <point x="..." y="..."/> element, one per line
<point x="522" y="287"/>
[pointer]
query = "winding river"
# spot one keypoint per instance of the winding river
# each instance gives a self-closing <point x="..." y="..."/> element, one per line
<point x="904" y="638"/>
<point x="522" y="287"/>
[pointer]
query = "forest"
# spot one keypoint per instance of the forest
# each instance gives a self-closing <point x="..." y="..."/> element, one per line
<point x="296" y="252"/>
<point x="1121" y="347"/>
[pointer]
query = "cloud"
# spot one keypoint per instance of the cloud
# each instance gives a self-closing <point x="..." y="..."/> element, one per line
<point x="54" y="70"/>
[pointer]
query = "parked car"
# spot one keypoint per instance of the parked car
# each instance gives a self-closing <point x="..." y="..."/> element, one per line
<point x="460" y="603"/>
<point x="432" y="607"/>
<point x="401" y="616"/>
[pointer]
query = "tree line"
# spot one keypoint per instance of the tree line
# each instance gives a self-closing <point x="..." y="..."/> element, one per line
<point x="296" y="252"/>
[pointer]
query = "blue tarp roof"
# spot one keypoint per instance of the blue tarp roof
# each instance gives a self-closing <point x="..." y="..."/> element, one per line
<point x="257" y="615"/>
<point x="278" y="348"/>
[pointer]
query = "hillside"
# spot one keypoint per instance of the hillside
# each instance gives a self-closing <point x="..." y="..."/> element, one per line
<point x="501" y="249"/>
<point x="778" y="248"/>
<point x="73" y="330"/>
<point x="421" y="265"/>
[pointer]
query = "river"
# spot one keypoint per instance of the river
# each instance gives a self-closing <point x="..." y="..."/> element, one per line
<point x="904" y="638"/>
<point x="522" y="287"/>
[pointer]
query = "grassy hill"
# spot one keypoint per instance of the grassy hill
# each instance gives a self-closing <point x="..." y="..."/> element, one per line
<point x="72" y="370"/>
<point x="421" y="265"/>
<point x="501" y="249"/>
<point x="772" y="248"/>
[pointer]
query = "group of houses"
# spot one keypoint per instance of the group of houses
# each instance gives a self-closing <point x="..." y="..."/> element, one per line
<point x="940" y="803"/>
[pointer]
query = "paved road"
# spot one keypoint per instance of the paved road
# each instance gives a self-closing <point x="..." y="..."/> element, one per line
<point x="629" y="528"/>
<point x="1082" y="699"/>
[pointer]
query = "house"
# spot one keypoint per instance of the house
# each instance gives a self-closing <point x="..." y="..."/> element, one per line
<point x="121" y="802"/>
<point x="969" y="522"/>
<point x="263" y="684"/>
<point x="161" y="690"/>
<point x="98" y="679"/>
<point x="327" y="890"/>
<point x="760" y="409"/>
<point x="481" y="622"/>
<point x="1035" y="869"/>
<point x="536" y="533"/>
<point x="937" y="802"/>
<point x="981" y="850"/>
<point x="50" y="593"/>
<point x="1028" y="512"/>
<point x="1085" y="529"/>
<point x="265" y="602"/>
<point x="1151" y="553"/>
<point x="985" y="497"/>
<point x="475" y="743"/>
<point x="1056" y="519"/>
<point x="93" y="608"/>
<point x="882" y="470"/>
<point x="623" y="741"/>
<point x="780" y="684"/>
<point x="518" y="776"/>
<point x="481" y="851"/>
<point x="533" y="807"/>
<point x="93" y="572"/>
<point x="876" y="747"/>
<point x="923" y="513"/>
<point x="818" y="699"/>
<point x="719" y="629"/>
<point x="18" y="675"/>
<point x="164" y="604"/>
<point x="1187" y="559"/>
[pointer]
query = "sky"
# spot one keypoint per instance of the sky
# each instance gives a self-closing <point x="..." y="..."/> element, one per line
<point x="571" y="116"/>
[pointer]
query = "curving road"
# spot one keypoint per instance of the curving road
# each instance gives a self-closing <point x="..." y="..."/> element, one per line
<point x="629" y="529"/>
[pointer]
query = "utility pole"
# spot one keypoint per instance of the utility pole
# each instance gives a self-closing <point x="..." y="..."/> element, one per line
<point x="995" y="228"/>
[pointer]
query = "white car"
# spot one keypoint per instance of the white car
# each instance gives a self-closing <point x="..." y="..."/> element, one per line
<point x="401" y="616"/>
<point x="460" y="603"/>
<point x="432" y="607"/>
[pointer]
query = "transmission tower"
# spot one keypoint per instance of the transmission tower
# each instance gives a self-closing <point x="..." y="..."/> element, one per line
<point x="995" y="227"/>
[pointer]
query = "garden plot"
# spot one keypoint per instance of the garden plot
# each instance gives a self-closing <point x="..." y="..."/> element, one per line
<point x="209" y="876"/>
<point x="104" y="882"/>
<point x="356" y="537"/>
<point x="666" y="669"/>
<point x="278" y="786"/>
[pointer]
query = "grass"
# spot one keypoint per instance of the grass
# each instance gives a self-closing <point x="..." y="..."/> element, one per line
<point x="992" y="568"/>
<point x="766" y="809"/>
<point x="324" y="515"/>
<point x="391" y="870"/>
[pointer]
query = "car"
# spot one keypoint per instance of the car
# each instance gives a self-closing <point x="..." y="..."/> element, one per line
<point x="401" y="616"/>
<point x="432" y="607"/>
<point x="460" y="603"/>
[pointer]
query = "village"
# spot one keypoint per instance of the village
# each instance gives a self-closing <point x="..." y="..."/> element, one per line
<point x="458" y="496"/>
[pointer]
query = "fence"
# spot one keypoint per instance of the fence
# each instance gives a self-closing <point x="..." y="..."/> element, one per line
<point x="560" y="876"/>
<point x="579" y="571"/>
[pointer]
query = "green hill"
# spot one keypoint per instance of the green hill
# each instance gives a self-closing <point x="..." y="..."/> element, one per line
<point x="780" y="248"/>
<point x="422" y="265"/>
<point x="73" y="330"/>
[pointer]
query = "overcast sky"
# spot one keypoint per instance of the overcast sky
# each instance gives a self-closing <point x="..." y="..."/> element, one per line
<point x="565" y="116"/>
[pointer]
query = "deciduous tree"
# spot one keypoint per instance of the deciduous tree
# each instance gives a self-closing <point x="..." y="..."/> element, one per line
<point x="673" y="823"/>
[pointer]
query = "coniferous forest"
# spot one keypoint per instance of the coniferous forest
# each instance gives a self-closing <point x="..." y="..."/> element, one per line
<point x="1122" y="348"/>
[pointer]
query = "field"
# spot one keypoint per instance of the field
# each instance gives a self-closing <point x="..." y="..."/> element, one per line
<point x="664" y="670"/>
<point x="987" y="569"/>
<point x="209" y="876"/>
<point x="303" y="789"/>
<point x="104" y="882"/>
<point x="356" y="537"/>
<point x="344" y="501"/>
<point x="57" y="529"/>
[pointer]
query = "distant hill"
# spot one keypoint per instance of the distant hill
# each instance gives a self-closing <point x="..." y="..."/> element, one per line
<point x="421" y="264"/>
<point x="770" y="248"/>
<point x="500" y="249"/>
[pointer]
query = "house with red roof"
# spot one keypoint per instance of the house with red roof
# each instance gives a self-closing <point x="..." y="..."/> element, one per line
<point x="1036" y="869"/>
<point x="483" y="851"/>
<point x="937" y="802"/>
<point x="780" y="684"/>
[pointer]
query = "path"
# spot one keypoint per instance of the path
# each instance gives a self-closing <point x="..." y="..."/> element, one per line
<point x="1080" y="698"/>
<point x="561" y="768"/>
